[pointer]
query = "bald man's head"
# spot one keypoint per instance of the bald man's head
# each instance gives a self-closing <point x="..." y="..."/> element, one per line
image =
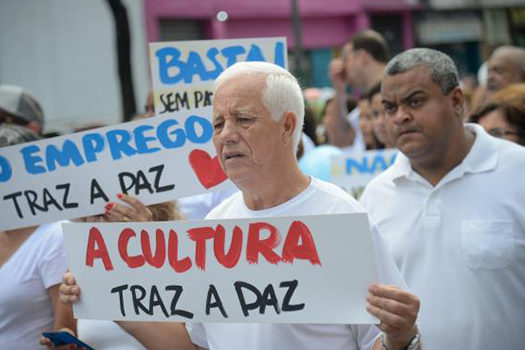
<point x="506" y="66"/>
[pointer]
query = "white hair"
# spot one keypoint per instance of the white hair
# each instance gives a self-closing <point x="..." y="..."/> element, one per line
<point x="282" y="93"/>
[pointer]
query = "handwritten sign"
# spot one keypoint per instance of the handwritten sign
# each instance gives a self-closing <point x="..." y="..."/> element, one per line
<point x="311" y="269"/>
<point x="183" y="72"/>
<point x="354" y="172"/>
<point x="156" y="159"/>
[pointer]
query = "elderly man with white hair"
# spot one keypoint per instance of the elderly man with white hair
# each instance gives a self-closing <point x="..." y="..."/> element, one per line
<point x="257" y="119"/>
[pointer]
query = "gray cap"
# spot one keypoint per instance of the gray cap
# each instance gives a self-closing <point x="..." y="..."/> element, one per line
<point x="19" y="103"/>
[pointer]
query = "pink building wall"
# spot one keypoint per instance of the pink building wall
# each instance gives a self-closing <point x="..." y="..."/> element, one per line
<point x="324" y="23"/>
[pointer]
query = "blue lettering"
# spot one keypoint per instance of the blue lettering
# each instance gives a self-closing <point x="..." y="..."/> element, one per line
<point x="30" y="161"/>
<point x="164" y="138"/>
<point x="69" y="153"/>
<point x="6" y="172"/>
<point x="279" y="54"/>
<point x="255" y="54"/>
<point x="212" y="53"/>
<point x="353" y="164"/>
<point x="118" y="141"/>
<point x="191" y="133"/>
<point x="194" y="66"/>
<point x="141" y="141"/>
<point x="92" y="144"/>
<point x="166" y="64"/>
<point x="231" y="54"/>
<point x="378" y="165"/>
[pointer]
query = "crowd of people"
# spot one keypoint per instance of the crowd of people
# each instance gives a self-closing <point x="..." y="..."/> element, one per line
<point x="448" y="225"/>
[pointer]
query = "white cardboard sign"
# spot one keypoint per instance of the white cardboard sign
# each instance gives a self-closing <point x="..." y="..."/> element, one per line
<point x="356" y="171"/>
<point x="157" y="159"/>
<point x="309" y="269"/>
<point x="183" y="72"/>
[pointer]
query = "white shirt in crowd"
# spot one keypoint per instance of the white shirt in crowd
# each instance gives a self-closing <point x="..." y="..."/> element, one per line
<point x="26" y="309"/>
<point x="319" y="198"/>
<point x="358" y="146"/>
<point x="461" y="244"/>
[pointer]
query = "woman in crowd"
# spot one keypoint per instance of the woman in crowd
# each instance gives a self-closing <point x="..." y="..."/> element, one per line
<point x="32" y="263"/>
<point x="504" y="114"/>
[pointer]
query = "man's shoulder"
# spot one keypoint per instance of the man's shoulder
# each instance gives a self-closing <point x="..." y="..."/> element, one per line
<point x="332" y="196"/>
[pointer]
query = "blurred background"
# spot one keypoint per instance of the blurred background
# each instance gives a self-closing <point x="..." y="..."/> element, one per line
<point x="86" y="61"/>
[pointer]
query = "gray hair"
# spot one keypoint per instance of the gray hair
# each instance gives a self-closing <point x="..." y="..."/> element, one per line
<point x="282" y="92"/>
<point x="442" y="69"/>
<point x="513" y="53"/>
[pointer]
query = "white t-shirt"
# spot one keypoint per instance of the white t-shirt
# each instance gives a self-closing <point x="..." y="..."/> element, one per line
<point x="319" y="198"/>
<point x="358" y="146"/>
<point x="106" y="335"/>
<point x="198" y="206"/>
<point x="25" y="305"/>
<point x="461" y="244"/>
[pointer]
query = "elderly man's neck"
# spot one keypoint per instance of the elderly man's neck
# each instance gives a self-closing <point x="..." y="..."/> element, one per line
<point x="274" y="189"/>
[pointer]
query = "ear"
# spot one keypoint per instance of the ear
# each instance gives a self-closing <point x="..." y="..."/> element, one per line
<point x="458" y="101"/>
<point x="289" y="123"/>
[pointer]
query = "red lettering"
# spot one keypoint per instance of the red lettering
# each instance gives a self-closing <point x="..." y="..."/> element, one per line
<point x="173" y="248"/>
<point x="101" y="252"/>
<point x="199" y="235"/>
<point x="131" y="261"/>
<point x="231" y="258"/>
<point x="256" y="245"/>
<point x="160" y="248"/>
<point x="293" y="250"/>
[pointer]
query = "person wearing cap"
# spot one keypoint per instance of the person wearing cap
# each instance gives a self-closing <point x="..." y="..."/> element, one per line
<point x="17" y="106"/>
<point x="32" y="263"/>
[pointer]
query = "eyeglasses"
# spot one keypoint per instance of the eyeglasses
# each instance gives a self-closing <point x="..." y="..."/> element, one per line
<point x="501" y="132"/>
<point x="6" y="118"/>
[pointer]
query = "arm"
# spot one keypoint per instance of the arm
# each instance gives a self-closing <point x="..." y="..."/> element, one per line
<point x="63" y="315"/>
<point x="397" y="310"/>
<point x="153" y="335"/>
<point x="338" y="79"/>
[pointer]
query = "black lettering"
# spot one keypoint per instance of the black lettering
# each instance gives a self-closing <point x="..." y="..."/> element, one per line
<point x="49" y="199"/>
<point x="198" y="96"/>
<point x="15" y="201"/>
<point x="137" y="299"/>
<point x="212" y="292"/>
<point x="121" y="178"/>
<point x="142" y="183"/>
<point x="96" y="192"/>
<point x="167" y="102"/>
<point x="158" y="174"/>
<point x="207" y="98"/>
<point x="155" y="299"/>
<point x="65" y="203"/>
<point x="269" y="299"/>
<point x="174" y="311"/>
<point x="288" y="296"/>
<point x="120" y="290"/>
<point x="245" y="307"/>
<point x="183" y="101"/>
<point x="31" y="197"/>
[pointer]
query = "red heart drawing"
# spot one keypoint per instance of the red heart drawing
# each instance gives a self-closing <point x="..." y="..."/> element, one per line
<point x="207" y="169"/>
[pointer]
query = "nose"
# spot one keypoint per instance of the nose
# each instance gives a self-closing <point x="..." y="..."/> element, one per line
<point x="402" y="115"/>
<point x="230" y="132"/>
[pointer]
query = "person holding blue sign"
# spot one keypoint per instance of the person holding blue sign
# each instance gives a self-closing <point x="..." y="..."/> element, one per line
<point x="257" y="121"/>
<point x="452" y="209"/>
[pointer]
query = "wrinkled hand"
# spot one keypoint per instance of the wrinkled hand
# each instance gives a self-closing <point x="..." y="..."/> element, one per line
<point x="337" y="74"/>
<point x="134" y="211"/>
<point x="397" y="310"/>
<point x="69" y="290"/>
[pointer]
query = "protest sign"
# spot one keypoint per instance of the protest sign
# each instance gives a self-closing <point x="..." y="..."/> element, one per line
<point x="356" y="171"/>
<point x="157" y="159"/>
<point x="308" y="269"/>
<point x="183" y="72"/>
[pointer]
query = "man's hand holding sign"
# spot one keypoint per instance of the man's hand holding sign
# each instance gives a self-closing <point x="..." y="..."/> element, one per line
<point x="321" y="261"/>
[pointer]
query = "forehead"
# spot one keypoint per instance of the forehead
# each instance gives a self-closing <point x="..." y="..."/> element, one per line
<point x="403" y="84"/>
<point x="238" y="93"/>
